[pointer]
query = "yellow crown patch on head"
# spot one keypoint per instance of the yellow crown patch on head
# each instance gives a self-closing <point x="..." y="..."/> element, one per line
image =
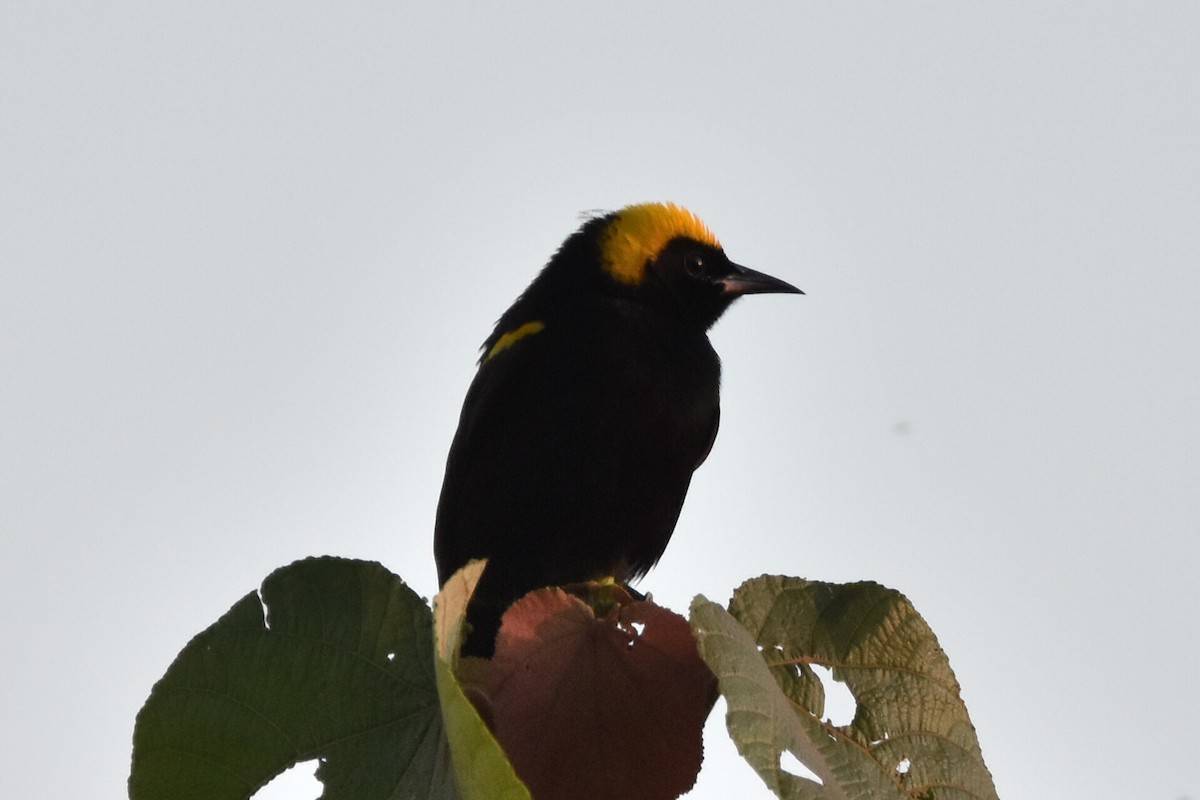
<point x="637" y="234"/>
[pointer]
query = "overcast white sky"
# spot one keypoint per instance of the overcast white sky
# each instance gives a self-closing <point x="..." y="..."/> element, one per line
<point x="248" y="251"/>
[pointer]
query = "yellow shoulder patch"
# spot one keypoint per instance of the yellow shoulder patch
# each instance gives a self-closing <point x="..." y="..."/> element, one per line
<point x="512" y="337"/>
<point x="638" y="233"/>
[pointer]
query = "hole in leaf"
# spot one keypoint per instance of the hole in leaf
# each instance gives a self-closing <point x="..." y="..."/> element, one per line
<point x="391" y="656"/>
<point x="840" y="705"/>
<point x="793" y="766"/>
<point x="265" y="610"/>
<point x="638" y="627"/>
<point x="299" y="780"/>
<point x="903" y="767"/>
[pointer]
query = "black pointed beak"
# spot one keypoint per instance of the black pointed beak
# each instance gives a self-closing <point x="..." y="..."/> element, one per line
<point x="744" y="280"/>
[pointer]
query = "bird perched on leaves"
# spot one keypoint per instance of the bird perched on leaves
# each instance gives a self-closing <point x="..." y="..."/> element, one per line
<point x="595" y="400"/>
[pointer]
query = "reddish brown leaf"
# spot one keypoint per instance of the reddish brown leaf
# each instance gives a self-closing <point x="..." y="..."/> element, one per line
<point x="599" y="709"/>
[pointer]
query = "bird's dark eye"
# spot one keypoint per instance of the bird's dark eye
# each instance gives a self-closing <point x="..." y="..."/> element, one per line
<point x="694" y="264"/>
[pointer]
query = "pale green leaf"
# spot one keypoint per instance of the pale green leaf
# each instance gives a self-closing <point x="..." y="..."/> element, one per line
<point x="482" y="770"/>
<point x="910" y="737"/>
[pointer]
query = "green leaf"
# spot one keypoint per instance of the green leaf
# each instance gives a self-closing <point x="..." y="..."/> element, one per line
<point x="910" y="737"/>
<point x="482" y="770"/>
<point x="340" y="669"/>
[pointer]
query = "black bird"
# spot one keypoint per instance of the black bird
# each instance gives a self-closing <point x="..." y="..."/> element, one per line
<point x="595" y="400"/>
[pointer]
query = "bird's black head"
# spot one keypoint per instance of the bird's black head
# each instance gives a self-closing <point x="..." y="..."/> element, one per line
<point x="662" y="256"/>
